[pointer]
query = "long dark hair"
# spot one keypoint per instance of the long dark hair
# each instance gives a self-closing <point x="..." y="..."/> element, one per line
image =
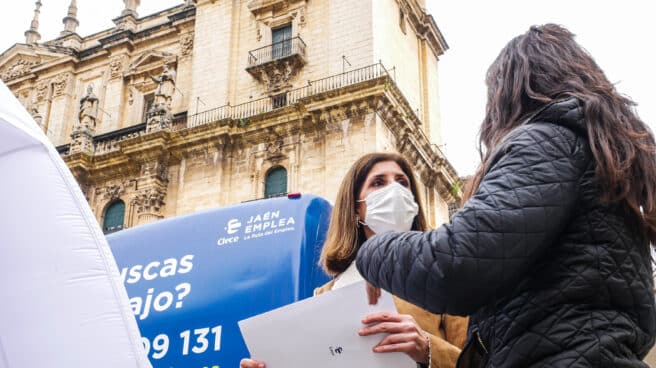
<point x="344" y="236"/>
<point x="546" y="64"/>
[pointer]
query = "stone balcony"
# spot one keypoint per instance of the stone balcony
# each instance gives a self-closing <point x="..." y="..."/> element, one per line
<point x="274" y="65"/>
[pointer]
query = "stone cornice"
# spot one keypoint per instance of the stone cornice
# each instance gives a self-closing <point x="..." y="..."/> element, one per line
<point x="315" y="113"/>
<point x="25" y="62"/>
<point x="260" y="6"/>
<point x="173" y="18"/>
<point x="425" y="26"/>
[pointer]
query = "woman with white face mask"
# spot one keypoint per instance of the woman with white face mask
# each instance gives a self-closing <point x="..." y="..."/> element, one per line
<point x="379" y="194"/>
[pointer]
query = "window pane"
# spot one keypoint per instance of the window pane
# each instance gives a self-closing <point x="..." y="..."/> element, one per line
<point x="282" y="44"/>
<point x="148" y="104"/>
<point x="114" y="217"/>
<point x="276" y="182"/>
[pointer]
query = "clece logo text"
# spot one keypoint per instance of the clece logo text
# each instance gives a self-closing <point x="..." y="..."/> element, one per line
<point x="233" y="226"/>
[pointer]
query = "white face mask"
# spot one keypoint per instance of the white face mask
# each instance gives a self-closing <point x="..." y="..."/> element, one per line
<point x="392" y="208"/>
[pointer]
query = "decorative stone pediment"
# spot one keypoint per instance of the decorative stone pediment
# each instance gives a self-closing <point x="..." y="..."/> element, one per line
<point x="150" y="62"/>
<point x="261" y="6"/>
<point x="18" y="66"/>
<point x="274" y="13"/>
<point x="21" y="61"/>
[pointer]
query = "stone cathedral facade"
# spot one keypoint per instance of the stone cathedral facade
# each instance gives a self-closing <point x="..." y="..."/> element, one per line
<point x="216" y="102"/>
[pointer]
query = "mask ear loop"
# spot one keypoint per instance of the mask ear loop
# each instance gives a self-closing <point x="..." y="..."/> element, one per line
<point x="357" y="217"/>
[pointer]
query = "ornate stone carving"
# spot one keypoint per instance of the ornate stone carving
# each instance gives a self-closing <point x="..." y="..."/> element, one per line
<point x="19" y="68"/>
<point x="83" y="129"/>
<point x="186" y="44"/>
<point x="302" y="19"/>
<point x="148" y="168"/>
<point x="41" y="91"/>
<point x="165" y="85"/>
<point x="274" y="149"/>
<point x="149" y="62"/>
<point x="112" y="191"/>
<point x="33" y="109"/>
<point x="154" y="168"/>
<point x="149" y="200"/>
<point x="116" y="67"/>
<point x="159" y="118"/>
<point x="159" y="115"/>
<point x="258" y="31"/>
<point x="277" y="75"/>
<point x="60" y="83"/>
<point x="81" y="142"/>
<point x="88" y="110"/>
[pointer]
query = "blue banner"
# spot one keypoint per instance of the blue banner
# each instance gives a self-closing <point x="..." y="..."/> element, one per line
<point x="190" y="279"/>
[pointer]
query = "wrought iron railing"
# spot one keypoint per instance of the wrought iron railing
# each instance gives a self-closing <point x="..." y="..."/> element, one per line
<point x="179" y="121"/>
<point x="249" y="109"/>
<point x="209" y="116"/>
<point x="241" y="113"/>
<point x="276" y="50"/>
<point x="338" y="81"/>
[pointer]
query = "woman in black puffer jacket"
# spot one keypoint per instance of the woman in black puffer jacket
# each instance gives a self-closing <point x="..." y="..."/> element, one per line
<point x="550" y="255"/>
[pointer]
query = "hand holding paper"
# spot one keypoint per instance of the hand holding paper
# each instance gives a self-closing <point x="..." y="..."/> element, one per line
<point x="404" y="334"/>
<point x="321" y="332"/>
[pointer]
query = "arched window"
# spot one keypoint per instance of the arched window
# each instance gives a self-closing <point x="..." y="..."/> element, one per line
<point x="114" y="217"/>
<point x="276" y="182"/>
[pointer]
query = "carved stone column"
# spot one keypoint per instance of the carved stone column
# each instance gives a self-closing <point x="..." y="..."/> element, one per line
<point x="62" y="92"/>
<point x="148" y="204"/>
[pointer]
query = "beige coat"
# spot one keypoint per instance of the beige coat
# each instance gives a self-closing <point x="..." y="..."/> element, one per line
<point x="447" y="333"/>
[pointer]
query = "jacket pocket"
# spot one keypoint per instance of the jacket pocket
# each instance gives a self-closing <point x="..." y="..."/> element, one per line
<point x="474" y="354"/>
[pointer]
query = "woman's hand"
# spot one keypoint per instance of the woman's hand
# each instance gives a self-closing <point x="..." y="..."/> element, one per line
<point x="405" y="335"/>
<point x="250" y="363"/>
<point x="373" y="294"/>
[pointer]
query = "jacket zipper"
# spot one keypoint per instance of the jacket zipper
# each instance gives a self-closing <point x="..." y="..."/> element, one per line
<point x="472" y="341"/>
<point x="480" y="342"/>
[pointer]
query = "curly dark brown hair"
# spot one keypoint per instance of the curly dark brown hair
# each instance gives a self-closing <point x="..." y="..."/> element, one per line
<point x="546" y="64"/>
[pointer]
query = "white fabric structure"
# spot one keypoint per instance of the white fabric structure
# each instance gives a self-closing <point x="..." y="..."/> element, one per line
<point x="62" y="303"/>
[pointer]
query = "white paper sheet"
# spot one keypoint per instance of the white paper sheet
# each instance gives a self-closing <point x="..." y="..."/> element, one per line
<point x="321" y="332"/>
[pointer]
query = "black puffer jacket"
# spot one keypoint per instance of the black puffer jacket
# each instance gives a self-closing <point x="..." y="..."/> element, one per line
<point x="551" y="277"/>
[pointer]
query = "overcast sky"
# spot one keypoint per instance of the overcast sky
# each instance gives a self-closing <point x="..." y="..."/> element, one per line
<point x="618" y="34"/>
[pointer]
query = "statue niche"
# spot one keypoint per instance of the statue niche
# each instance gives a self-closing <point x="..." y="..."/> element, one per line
<point x="159" y="115"/>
